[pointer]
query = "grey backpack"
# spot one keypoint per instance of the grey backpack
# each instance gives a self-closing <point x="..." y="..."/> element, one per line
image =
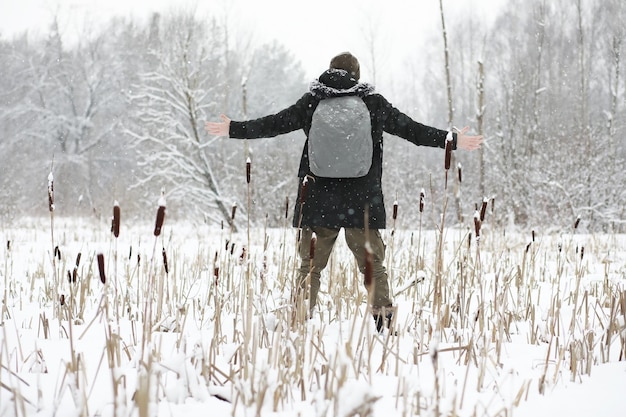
<point x="340" y="139"/>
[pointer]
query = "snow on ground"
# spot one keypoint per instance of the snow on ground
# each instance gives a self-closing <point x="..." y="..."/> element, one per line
<point x="526" y="326"/>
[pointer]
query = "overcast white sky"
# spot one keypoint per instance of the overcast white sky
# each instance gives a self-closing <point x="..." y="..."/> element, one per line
<point x="313" y="30"/>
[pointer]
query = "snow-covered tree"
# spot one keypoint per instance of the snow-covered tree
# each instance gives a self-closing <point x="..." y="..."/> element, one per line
<point x="171" y="103"/>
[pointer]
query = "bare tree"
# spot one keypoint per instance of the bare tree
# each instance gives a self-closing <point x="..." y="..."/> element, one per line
<point x="173" y="100"/>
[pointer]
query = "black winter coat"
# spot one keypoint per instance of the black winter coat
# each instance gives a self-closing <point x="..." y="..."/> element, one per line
<point x="341" y="202"/>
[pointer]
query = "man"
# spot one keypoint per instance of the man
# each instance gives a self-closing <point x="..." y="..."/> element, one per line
<point x="341" y="169"/>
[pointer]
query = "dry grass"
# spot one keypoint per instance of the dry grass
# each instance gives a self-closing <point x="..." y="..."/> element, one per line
<point x="211" y="314"/>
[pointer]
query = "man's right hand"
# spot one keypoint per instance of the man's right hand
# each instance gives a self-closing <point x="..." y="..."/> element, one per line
<point x="467" y="142"/>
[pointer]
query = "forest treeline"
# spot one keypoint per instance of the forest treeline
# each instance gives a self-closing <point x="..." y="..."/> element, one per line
<point x="119" y="116"/>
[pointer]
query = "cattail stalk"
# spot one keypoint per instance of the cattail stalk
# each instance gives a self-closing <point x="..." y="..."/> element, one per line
<point x="115" y="225"/>
<point x="448" y="156"/>
<point x="158" y="225"/>
<point x="103" y="278"/>
<point x="51" y="207"/>
<point x="483" y="209"/>
<point x="477" y="224"/>
<point x="115" y="228"/>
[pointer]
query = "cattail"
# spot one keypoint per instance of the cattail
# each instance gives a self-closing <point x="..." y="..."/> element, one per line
<point x="582" y="252"/>
<point x="8" y="245"/>
<point x="303" y="189"/>
<point x="312" y="246"/>
<point x="459" y="169"/>
<point x="483" y="209"/>
<point x="115" y="226"/>
<point x="57" y="252"/>
<point x="449" y="140"/>
<point x="395" y="210"/>
<point x="167" y="270"/>
<point x="50" y="192"/>
<point x="576" y="222"/>
<point x="74" y="275"/>
<point x="160" y="216"/>
<point x="78" y="259"/>
<point x="477" y="225"/>
<point x="286" y="207"/>
<point x="528" y="246"/>
<point x="369" y="267"/>
<point x="69" y="276"/>
<point x="532" y="233"/>
<point x="62" y="299"/>
<point x="216" y="269"/>
<point x="130" y="253"/>
<point x="233" y="211"/>
<point x="422" y="196"/>
<point x="232" y="248"/>
<point x="248" y="166"/>
<point x="101" y="268"/>
<point x="493" y="204"/>
<point x="243" y="255"/>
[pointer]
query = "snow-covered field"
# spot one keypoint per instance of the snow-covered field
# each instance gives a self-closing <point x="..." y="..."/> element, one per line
<point x="523" y="324"/>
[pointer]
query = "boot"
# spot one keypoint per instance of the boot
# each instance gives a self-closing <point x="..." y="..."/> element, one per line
<point x="383" y="317"/>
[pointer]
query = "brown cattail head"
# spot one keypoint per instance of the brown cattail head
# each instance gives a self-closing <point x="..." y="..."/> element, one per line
<point x="369" y="267"/>
<point x="477" y="225"/>
<point x="103" y="278"/>
<point x="160" y="216"/>
<point x="449" y="140"/>
<point x="8" y="245"/>
<point x="233" y="211"/>
<point x="395" y="210"/>
<point x="459" y="169"/>
<point x="115" y="226"/>
<point x="422" y="196"/>
<point x="78" y="259"/>
<point x="582" y="252"/>
<point x="62" y="299"/>
<point x="493" y="204"/>
<point x="50" y="192"/>
<point x="167" y="270"/>
<point x="248" y="167"/>
<point x="532" y="234"/>
<point x="57" y="252"/>
<point x="483" y="209"/>
<point x="286" y="207"/>
<point x="312" y="246"/>
<point x="576" y="222"/>
<point x="243" y="255"/>
<point x="303" y="189"/>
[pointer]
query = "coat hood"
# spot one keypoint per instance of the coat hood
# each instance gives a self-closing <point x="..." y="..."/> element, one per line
<point x="337" y="83"/>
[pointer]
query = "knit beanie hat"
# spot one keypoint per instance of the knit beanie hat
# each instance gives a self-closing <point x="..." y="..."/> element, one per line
<point x="347" y="62"/>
